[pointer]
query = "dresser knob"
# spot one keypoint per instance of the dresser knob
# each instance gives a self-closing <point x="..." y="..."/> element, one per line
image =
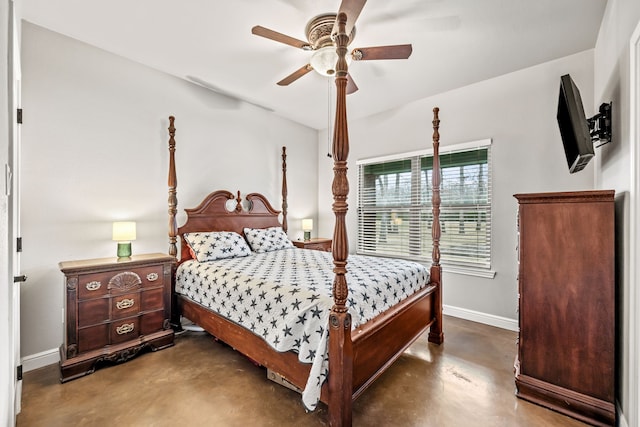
<point x="152" y="277"/>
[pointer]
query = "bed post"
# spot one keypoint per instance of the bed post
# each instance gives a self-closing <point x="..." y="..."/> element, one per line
<point x="435" y="332"/>
<point x="340" y="345"/>
<point x="173" y="182"/>
<point x="173" y="227"/>
<point x="284" y="189"/>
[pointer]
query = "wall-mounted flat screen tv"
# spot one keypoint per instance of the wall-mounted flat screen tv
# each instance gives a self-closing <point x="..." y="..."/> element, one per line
<point x="574" y="126"/>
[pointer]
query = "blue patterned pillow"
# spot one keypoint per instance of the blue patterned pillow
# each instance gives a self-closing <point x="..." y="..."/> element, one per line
<point x="267" y="239"/>
<point x="210" y="246"/>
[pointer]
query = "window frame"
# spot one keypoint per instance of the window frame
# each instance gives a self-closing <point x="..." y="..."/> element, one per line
<point x="416" y="159"/>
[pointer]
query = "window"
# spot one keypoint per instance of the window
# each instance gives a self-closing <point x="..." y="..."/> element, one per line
<point x="394" y="206"/>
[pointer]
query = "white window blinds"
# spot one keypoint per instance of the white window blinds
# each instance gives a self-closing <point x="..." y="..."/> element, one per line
<point x="394" y="206"/>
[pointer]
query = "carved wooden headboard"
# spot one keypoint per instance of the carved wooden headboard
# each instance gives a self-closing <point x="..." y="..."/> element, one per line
<point x="222" y="211"/>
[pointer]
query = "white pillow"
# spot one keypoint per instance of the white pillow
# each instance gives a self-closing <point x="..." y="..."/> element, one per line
<point x="213" y="245"/>
<point x="267" y="239"/>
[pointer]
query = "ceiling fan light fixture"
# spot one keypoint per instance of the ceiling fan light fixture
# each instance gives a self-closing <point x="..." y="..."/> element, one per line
<point x="324" y="60"/>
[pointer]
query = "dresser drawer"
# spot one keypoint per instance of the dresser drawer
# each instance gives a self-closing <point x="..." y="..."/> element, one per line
<point x="152" y="322"/>
<point x="93" y="285"/>
<point x="92" y="312"/>
<point x="125" y="305"/>
<point x="93" y="337"/>
<point x="319" y="247"/>
<point x="151" y="276"/>
<point x="153" y="299"/>
<point x="125" y="330"/>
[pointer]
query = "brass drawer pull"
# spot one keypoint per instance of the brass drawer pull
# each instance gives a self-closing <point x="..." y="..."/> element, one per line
<point x="152" y="277"/>
<point x="125" y="303"/>
<point x="125" y="329"/>
<point x="93" y="286"/>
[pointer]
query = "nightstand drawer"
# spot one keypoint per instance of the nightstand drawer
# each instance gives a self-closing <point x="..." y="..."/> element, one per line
<point x="151" y="276"/>
<point x="93" y="337"/>
<point x="125" y="330"/>
<point x="318" y="247"/>
<point x="92" y="312"/>
<point x="93" y="285"/>
<point x="152" y="299"/>
<point x="151" y="322"/>
<point x="125" y="305"/>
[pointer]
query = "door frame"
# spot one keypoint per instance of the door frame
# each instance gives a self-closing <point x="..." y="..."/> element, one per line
<point x="12" y="192"/>
<point x="7" y="414"/>
<point x="633" y="417"/>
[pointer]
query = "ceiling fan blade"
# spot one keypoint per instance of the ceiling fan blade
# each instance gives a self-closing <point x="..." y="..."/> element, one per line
<point x="351" y="85"/>
<point x="400" y="51"/>
<point x="352" y="9"/>
<point x="295" y="75"/>
<point x="279" y="37"/>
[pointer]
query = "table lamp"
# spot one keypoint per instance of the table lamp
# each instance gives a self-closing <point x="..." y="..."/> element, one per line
<point x="307" y="226"/>
<point x="123" y="233"/>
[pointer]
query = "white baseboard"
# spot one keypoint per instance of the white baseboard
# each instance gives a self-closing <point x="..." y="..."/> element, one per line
<point x="622" y="421"/>
<point x="477" y="316"/>
<point x="49" y="357"/>
<point x="39" y="360"/>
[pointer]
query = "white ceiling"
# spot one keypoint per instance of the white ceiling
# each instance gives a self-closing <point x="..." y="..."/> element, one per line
<point x="455" y="43"/>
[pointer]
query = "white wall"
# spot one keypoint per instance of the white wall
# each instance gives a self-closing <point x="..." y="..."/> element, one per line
<point x="518" y="112"/>
<point x="612" y="84"/>
<point x="95" y="150"/>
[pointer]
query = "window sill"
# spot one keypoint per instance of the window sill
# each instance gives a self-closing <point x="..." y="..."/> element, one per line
<point x="456" y="269"/>
<point x="469" y="271"/>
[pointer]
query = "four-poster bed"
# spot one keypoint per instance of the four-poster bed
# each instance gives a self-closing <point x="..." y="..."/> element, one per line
<point x="358" y="342"/>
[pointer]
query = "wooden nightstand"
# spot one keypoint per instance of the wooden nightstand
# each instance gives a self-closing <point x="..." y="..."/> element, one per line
<point x="114" y="309"/>
<point x="318" y="244"/>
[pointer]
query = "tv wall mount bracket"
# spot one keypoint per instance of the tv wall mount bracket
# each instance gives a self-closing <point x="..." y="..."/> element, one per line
<point x="600" y="126"/>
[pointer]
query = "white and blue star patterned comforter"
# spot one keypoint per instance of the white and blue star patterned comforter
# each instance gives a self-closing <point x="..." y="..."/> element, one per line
<point x="285" y="297"/>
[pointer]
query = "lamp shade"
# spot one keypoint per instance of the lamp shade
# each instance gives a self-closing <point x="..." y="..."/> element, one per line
<point x="124" y="231"/>
<point x="307" y="224"/>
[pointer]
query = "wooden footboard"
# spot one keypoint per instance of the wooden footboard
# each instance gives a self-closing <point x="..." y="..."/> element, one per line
<point x="378" y="343"/>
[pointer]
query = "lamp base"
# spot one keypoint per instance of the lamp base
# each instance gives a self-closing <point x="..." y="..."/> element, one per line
<point x="307" y="236"/>
<point x="124" y="249"/>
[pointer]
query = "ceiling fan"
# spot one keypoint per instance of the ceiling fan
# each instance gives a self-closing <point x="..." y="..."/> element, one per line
<point x="320" y="31"/>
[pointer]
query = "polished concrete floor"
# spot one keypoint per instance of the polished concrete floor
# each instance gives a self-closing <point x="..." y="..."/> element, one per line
<point x="467" y="381"/>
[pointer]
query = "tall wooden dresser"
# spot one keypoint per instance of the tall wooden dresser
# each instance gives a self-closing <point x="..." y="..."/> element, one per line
<point x="566" y="344"/>
<point x="114" y="309"/>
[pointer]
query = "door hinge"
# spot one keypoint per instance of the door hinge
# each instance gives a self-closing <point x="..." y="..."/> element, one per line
<point x="22" y="278"/>
<point x="19" y="373"/>
<point x="19" y="244"/>
<point x="19" y="115"/>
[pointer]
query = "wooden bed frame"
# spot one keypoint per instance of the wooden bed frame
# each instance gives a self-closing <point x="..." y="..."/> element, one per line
<point x="356" y="357"/>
